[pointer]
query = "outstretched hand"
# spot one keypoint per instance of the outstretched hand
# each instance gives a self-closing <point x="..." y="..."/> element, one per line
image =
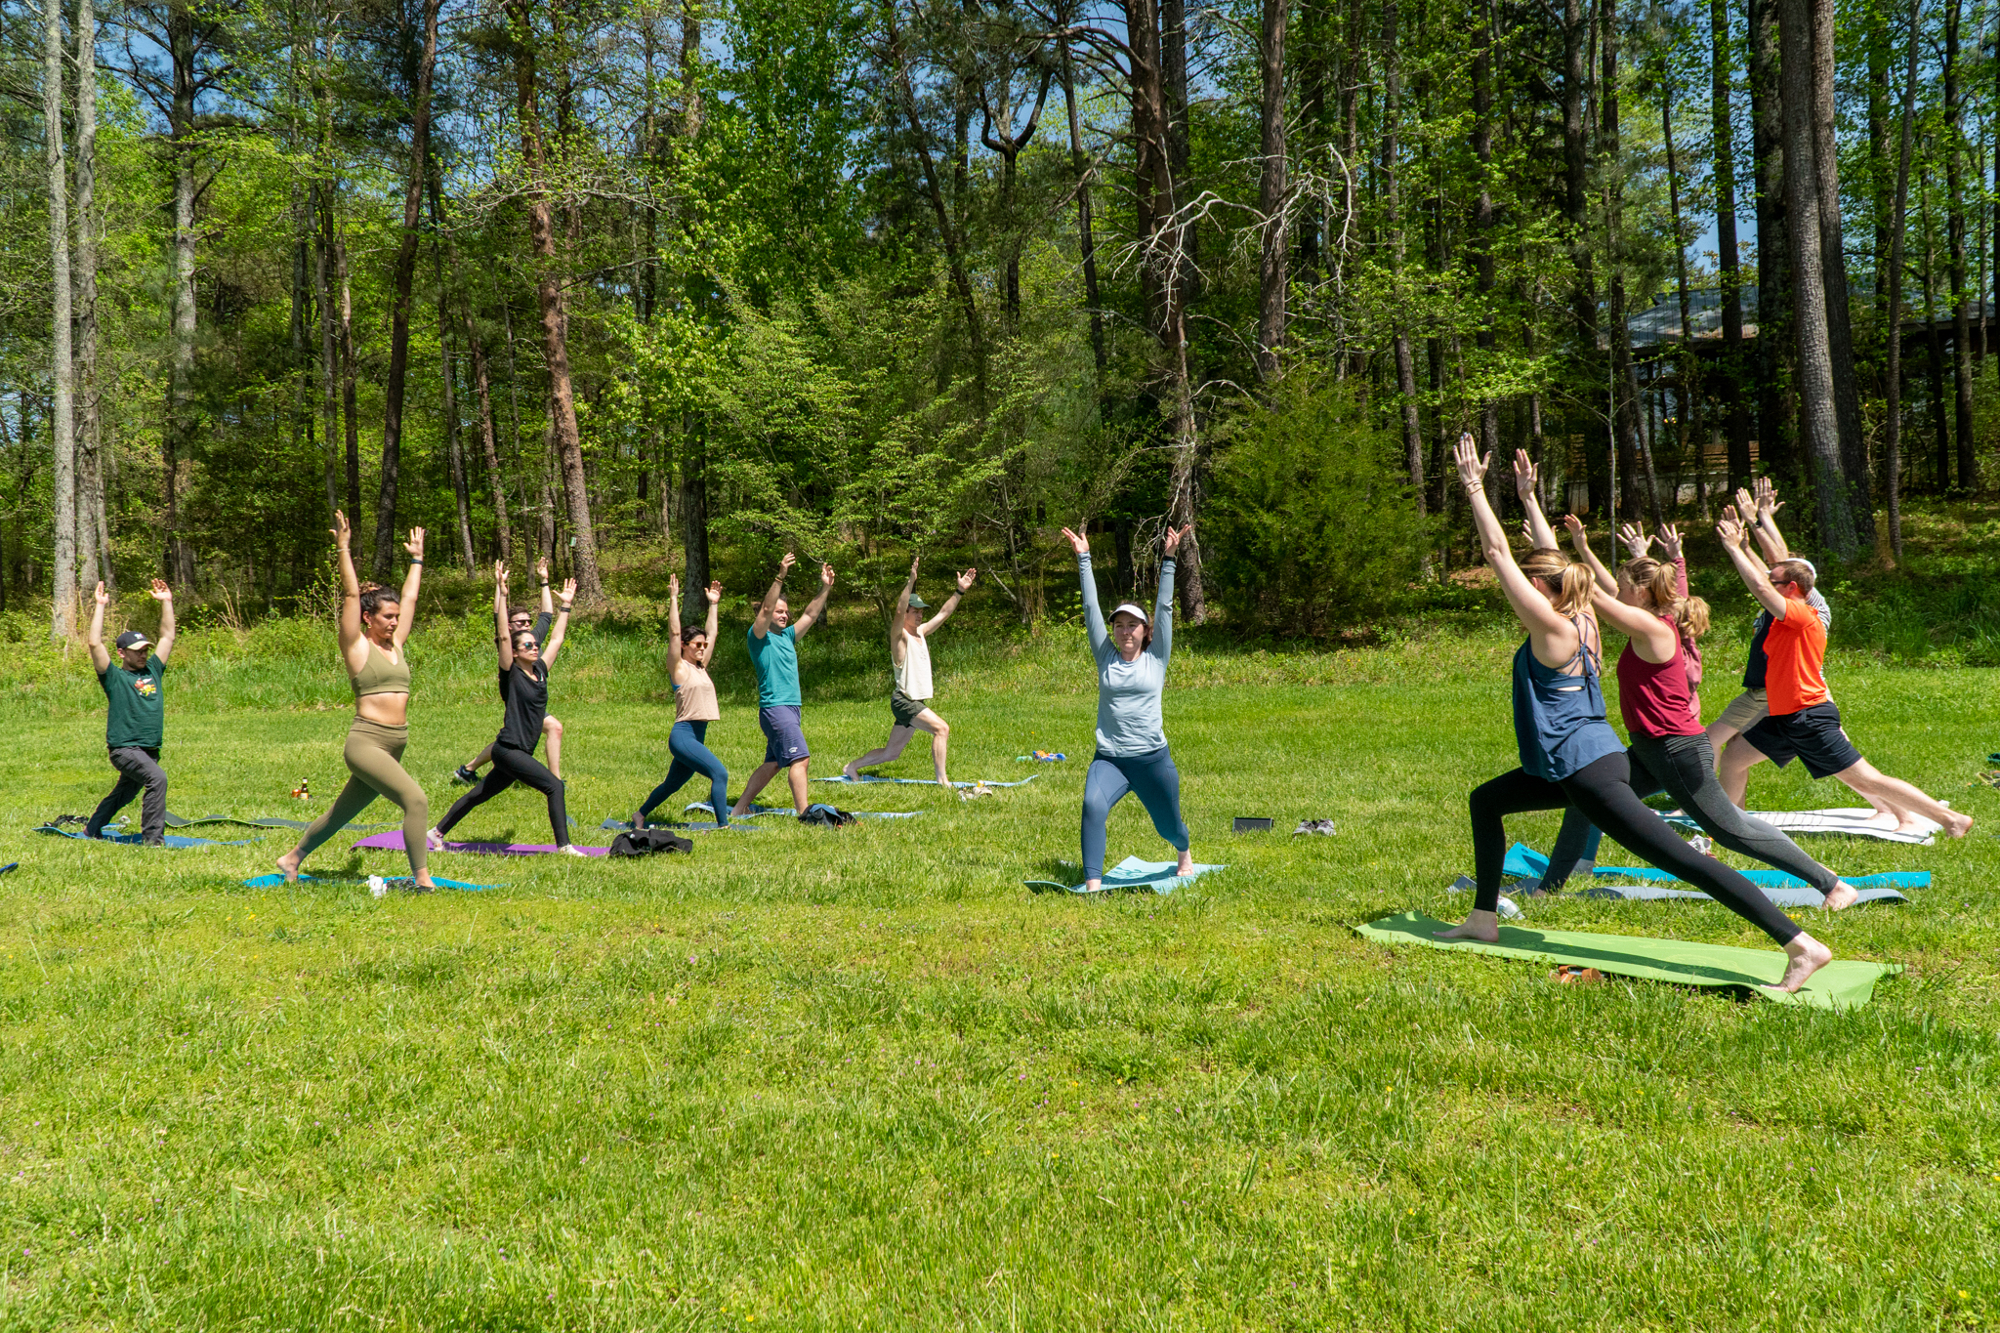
<point x="1670" y="542"/>
<point x="1729" y="529"/>
<point x="568" y="593"/>
<point x="1471" y="467"/>
<point x="714" y="591"/>
<point x="1077" y="542"/>
<point x="342" y="533"/>
<point x="103" y="597"/>
<point x="825" y="575"/>
<point x="499" y="574"/>
<point x="1525" y="476"/>
<point x="1635" y="539"/>
<point x="542" y="569"/>
<point x="914" y="560"/>
<point x="1174" y="536"/>
<point x="1768" y="503"/>
<point x="415" y="545"/>
<point x="1574" y="526"/>
<point x="674" y="584"/>
<point x="161" y="592"/>
<point x="965" y="580"/>
<point x="785" y="565"/>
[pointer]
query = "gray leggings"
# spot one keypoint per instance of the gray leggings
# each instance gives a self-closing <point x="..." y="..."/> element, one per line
<point x="1684" y="768"/>
<point x="374" y="755"/>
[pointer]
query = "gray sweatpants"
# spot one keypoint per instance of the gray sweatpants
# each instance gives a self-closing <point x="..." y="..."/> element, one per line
<point x="1684" y="768"/>
<point x="138" y="771"/>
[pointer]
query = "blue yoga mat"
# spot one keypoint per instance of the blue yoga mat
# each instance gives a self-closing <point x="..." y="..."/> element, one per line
<point x="926" y="782"/>
<point x="1524" y="862"/>
<point x="138" y="840"/>
<point x="1160" y="877"/>
<point x="757" y="810"/>
<point x="616" y="825"/>
<point x="275" y="880"/>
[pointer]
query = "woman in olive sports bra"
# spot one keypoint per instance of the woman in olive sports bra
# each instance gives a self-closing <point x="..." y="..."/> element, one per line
<point x="373" y="627"/>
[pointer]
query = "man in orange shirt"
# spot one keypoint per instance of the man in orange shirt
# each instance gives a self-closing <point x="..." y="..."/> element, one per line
<point x="1804" y="722"/>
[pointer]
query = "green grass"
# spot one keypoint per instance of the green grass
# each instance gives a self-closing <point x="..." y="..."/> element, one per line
<point x="864" y="1080"/>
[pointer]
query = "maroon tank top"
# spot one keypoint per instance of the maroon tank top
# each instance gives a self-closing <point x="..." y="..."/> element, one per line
<point x="1654" y="697"/>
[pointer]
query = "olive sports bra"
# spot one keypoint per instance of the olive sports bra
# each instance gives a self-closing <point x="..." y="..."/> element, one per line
<point x="381" y="675"/>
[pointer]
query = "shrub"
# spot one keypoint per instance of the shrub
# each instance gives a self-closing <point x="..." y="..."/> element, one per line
<point x="1310" y="523"/>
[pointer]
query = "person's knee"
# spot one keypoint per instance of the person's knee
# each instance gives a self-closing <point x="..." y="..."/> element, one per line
<point x="941" y="729"/>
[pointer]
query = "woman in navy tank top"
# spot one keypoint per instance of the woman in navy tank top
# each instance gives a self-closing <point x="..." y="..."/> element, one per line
<point x="1569" y="754"/>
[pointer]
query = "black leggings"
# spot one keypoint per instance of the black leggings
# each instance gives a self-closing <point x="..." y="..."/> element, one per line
<point x="509" y="767"/>
<point x="1602" y="791"/>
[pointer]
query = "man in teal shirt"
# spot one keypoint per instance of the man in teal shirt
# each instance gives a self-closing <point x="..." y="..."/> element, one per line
<point x="774" y="654"/>
<point x="135" y="716"/>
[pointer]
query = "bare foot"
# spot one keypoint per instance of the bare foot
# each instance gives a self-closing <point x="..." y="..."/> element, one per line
<point x="1843" y="895"/>
<point x="1803" y="957"/>
<point x="1092" y="885"/>
<point x="1958" y="825"/>
<point x="434" y="840"/>
<point x="638" y="820"/>
<point x="1478" y="925"/>
<point x="850" y="772"/>
<point x="1187" y="864"/>
<point x="288" y="866"/>
<point x="1888" y="819"/>
<point x="570" y="849"/>
<point x="423" y="884"/>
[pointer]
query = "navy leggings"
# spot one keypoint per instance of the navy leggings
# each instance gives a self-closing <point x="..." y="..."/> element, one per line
<point x="692" y="756"/>
<point x="1158" y="783"/>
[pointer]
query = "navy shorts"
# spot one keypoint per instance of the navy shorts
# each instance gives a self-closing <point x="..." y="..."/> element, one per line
<point x="784" y="743"/>
<point x="1812" y="735"/>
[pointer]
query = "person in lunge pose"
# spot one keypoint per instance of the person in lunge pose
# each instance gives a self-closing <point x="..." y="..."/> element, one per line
<point x="1569" y="754"/>
<point x="524" y="692"/>
<point x="519" y="619"/>
<point x="774" y="655"/>
<point x="910" y="659"/>
<point x="1802" y="720"/>
<point x="374" y="627"/>
<point x="694" y="708"/>
<point x="135" y="716"/>
<point x="1132" y="753"/>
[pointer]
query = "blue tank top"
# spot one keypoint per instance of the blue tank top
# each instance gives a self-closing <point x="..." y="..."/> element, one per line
<point x="1558" y="716"/>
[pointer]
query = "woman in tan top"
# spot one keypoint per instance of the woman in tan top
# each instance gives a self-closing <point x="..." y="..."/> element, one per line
<point x="374" y="623"/>
<point x="694" y="709"/>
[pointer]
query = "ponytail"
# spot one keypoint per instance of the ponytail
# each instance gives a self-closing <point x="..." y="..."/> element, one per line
<point x="1572" y="581"/>
<point x="1661" y="584"/>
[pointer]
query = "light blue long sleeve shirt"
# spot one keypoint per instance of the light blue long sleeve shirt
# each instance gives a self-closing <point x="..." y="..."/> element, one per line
<point x="1128" y="693"/>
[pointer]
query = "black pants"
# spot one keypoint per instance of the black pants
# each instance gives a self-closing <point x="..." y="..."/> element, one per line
<point x="137" y="770"/>
<point x="1602" y="793"/>
<point x="509" y="767"/>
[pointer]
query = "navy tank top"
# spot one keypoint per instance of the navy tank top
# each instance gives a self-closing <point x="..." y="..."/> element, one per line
<point x="1559" y="714"/>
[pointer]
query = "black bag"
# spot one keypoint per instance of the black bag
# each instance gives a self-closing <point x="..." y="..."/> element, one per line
<point x="825" y="816"/>
<point x="648" y="841"/>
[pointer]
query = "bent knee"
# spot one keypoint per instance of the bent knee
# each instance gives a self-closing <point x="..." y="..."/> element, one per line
<point x="942" y="729"/>
<point x="553" y="726"/>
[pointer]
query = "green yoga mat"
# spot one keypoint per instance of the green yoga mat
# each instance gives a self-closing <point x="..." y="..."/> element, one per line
<point x="1843" y="983"/>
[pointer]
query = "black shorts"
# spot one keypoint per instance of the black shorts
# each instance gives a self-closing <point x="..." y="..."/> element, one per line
<point x="905" y="709"/>
<point x="784" y="743"/>
<point x="1812" y="735"/>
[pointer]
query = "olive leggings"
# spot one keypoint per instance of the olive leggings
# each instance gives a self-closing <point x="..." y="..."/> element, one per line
<point x="374" y="757"/>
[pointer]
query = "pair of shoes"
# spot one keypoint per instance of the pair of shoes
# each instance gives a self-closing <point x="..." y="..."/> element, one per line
<point x="1320" y="826"/>
<point x="463" y="776"/>
<point x="1573" y="975"/>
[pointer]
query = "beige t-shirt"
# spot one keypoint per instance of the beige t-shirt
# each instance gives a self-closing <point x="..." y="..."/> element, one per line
<point x="913" y="673"/>
<point x="694" y="698"/>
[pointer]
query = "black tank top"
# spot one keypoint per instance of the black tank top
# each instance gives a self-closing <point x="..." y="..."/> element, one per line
<point x="526" y="696"/>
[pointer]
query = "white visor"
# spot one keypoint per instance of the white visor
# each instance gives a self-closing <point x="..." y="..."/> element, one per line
<point x="1134" y="608"/>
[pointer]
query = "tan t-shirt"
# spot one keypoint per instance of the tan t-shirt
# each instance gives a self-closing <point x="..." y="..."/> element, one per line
<point x="694" y="698"/>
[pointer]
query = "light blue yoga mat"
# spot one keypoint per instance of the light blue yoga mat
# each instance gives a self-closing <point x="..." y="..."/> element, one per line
<point x="275" y="880"/>
<point x="1807" y="897"/>
<point x="138" y="840"/>
<point x="926" y="782"/>
<point x="616" y="825"/>
<point x="1160" y="877"/>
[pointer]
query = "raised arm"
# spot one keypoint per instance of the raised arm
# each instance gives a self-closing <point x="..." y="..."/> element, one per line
<point x="412" y="582"/>
<point x="1093" y="614"/>
<point x="548" y="611"/>
<point x="816" y="609"/>
<point x="1670" y="547"/>
<point x="950" y="603"/>
<point x="350" y="592"/>
<point x="1163" y="600"/>
<point x="760" y="624"/>
<point x="714" y="594"/>
<point x="502" y="635"/>
<point x="675" y="662"/>
<point x="99" y="657"/>
<point x="1580" y="539"/>
<point x="1657" y="640"/>
<point x="163" y="646"/>
<point x="1534" y="610"/>
<point x="903" y="607"/>
<point x="1525" y="489"/>
<point x="557" y="634"/>
<point x="1755" y="577"/>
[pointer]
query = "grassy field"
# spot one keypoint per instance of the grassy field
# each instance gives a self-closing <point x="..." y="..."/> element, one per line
<point x="863" y="1080"/>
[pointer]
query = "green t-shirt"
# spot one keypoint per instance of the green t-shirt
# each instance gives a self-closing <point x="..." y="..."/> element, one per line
<point x="776" y="658"/>
<point x="137" y="712"/>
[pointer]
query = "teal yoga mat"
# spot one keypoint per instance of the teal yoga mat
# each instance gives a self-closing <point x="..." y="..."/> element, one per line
<point x="756" y="811"/>
<point x="173" y="840"/>
<point x="925" y="782"/>
<point x="617" y="825"/>
<point x="256" y="821"/>
<point x="1132" y="874"/>
<point x="275" y="880"/>
<point x="1524" y="862"/>
<point x="1843" y="983"/>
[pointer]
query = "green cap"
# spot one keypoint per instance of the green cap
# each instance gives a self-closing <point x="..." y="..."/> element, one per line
<point x="918" y="604"/>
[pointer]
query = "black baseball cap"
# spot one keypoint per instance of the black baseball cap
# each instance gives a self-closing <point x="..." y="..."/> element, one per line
<point x="132" y="638"/>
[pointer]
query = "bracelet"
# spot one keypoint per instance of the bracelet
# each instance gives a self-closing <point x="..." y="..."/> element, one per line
<point x="416" y="562"/>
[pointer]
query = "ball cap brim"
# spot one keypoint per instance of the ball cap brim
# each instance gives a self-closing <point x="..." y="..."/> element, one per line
<point x="1134" y="608"/>
<point x="132" y="638"/>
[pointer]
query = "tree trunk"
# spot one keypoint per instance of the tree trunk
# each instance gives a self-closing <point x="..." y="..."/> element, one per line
<point x="329" y="346"/>
<point x="1954" y="171"/>
<point x="177" y="558"/>
<point x="1687" y="364"/>
<point x="399" y="316"/>
<point x="1817" y="412"/>
<point x="1839" y="330"/>
<point x="1933" y="356"/>
<point x="1482" y="216"/>
<point x="1635" y="454"/>
<point x="503" y="534"/>
<point x="694" y="500"/>
<point x="1274" y="241"/>
<point x="1722" y="127"/>
<point x="454" y="449"/>
<point x="62" y="369"/>
<point x="1774" y="273"/>
<point x="351" y="420"/>
<point x="1086" y="242"/>
<point x="95" y="530"/>
<point x="1892" y="417"/>
<point x="1406" y="371"/>
<point x="549" y="296"/>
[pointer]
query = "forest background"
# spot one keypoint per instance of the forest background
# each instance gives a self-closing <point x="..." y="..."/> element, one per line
<point x="679" y="284"/>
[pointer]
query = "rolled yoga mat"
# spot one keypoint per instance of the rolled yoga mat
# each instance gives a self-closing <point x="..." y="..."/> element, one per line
<point x="1843" y="983"/>
<point x="275" y="880"/>
<point x="173" y="840"/>
<point x="392" y="841"/>
<point x="1846" y="821"/>
<point x="1160" y="877"/>
<point x="925" y="782"/>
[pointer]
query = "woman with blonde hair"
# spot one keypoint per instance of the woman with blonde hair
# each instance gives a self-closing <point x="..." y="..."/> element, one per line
<point x="1569" y="754"/>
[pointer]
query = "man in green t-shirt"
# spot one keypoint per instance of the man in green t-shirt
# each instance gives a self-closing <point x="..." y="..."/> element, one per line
<point x="135" y="716"/>
<point x="774" y="655"/>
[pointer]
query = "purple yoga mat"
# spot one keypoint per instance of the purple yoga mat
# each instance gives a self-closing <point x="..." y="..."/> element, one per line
<point x="392" y="841"/>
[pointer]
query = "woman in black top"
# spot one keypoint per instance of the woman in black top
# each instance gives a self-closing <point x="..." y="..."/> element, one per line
<point x="524" y="688"/>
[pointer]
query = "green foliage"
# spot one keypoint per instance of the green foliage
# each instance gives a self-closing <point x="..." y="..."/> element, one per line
<point x="1311" y="527"/>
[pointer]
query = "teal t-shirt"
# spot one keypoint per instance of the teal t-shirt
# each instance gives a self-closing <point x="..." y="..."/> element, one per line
<point x="137" y="712"/>
<point x="776" y="658"/>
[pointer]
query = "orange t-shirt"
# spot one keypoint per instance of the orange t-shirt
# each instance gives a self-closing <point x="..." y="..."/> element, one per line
<point x="1796" y="646"/>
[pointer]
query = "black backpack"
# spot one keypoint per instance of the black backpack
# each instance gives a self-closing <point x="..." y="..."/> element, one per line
<point x="647" y="841"/>
<point x="825" y="816"/>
